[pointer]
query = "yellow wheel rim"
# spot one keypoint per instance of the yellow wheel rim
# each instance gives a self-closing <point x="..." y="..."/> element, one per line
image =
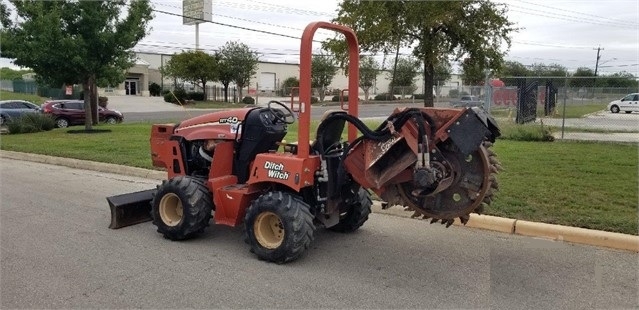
<point x="171" y="209"/>
<point x="269" y="230"/>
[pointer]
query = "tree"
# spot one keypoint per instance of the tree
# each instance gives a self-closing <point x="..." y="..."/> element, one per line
<point x="551" y="70"/>
<point x="196" y="67"/>
<point x="225" y="74"/>
<point x="10" y="74"/>
<point x="512" y="69"/>
<point x="323" y="69"/>
<point x="583" y="77"/>
<point x="240" y="64"/>
<point x="475" y="29"/>
<point x="441" y="75"/>
<point x="622" y="79"/>
<point x="403" y="77"/>
<point x="288" y="84"/>
<point x="368" y="69"/>
<point x="77" y="42"/>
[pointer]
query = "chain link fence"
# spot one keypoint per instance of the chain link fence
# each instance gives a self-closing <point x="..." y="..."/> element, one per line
<point x="571" y="107"/>
<point x="31" y="87"/>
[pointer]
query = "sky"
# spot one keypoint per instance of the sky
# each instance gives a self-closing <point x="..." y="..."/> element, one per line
<point x="565" y="32"/>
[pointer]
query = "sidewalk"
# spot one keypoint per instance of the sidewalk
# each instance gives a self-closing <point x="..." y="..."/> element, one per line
<point x="603" y="137"/>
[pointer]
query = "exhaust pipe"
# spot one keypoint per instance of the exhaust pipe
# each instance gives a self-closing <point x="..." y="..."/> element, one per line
<point x="130" y="209"/>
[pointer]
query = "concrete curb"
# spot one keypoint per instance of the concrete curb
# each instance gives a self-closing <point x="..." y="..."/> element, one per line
<point x="539" y="230"/>
<point x="506" y="225"/>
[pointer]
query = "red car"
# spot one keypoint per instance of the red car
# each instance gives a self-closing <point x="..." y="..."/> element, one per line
<point x="71" y="112"/>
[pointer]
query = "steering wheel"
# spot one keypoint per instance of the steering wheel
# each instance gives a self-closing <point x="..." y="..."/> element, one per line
<point x="286" y="118"/>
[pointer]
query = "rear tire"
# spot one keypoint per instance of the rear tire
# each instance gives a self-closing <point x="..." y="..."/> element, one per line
<point x="181" y="207"/>
<point x="357" y="214"/>
<point x="278" y="227"/>
<point x="62" y="122"/>
<point x="614" y="109"/>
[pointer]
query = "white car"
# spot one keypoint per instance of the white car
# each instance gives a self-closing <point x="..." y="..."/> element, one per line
<point x="628" y="104"/>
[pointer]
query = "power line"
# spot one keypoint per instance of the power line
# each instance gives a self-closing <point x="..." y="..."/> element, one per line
<point x="574" y="12"/>
<point x="555" y="16"/>
<point x="232" y="26"/>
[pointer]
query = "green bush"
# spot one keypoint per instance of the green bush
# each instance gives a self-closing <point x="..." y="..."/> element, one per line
<point x="385" y="97"/>
<point x="248" y="100"/>
<point x="103" y="101"/>
<point x="336" y="98"/>
<point x="31" y="122"/>
<point x="155" y="89"/>
<point x="453" y="93"/>
<point x="314" y="100"/>
<point x="418" y="96"/>
<point x="197" y="96"/>
<point x="178" y="93"/>
<point x="526" y="132"/>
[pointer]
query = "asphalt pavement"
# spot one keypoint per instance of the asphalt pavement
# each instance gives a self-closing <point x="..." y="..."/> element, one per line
<point x="57" y="252"/>
<point x="154" y="109"/>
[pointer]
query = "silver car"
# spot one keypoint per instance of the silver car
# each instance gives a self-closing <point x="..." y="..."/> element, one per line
<point x="12" y="109"/>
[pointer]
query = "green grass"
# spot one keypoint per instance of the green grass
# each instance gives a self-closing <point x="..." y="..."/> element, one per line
<point x="572" y="111"/>
<point x="7" y="95"/>
<point x="591" y="185"/>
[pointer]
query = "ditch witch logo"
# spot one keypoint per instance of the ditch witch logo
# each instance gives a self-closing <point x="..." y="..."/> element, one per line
<point x="275" y="170"/>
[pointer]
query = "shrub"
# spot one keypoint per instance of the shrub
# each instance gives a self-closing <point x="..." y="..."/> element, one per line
<point x="526" y="132"/>
<point x="336" y="98"/>
<point x="178" y="93"/>
<point x="103" y="101"/>
<point x="453" y="93"/>
<point x="385" y="97"/>
<point x="164" y="92"/>
<point x="31" y="122"/>
<point x="314" y="100"/>
<point x="197" y="96"/>
<point x="155" y="89"/>
<point x="248" y="100"/>
<point x="418" y="96"/>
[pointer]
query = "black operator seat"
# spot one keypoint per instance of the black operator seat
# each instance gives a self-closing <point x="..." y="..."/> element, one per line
<point x="261" y="133"/>
<point x="329" y="132"/>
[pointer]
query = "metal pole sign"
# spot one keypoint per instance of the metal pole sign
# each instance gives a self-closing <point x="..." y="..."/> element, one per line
<point x="196" y="11"/>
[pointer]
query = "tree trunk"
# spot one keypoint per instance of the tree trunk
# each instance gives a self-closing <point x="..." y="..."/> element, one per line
<point x="86" y="87"/>
<point x="428" y="83"/>
<point x="226" y="92"/>
<point x="366" y="94"/>
<point x="94" y="101"/>
<point x="321" y="94"/>
<point x="204" y="89"/>
<point x="239" y="92"/>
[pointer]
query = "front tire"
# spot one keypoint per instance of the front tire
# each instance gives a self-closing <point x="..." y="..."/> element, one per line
<point x="278" y="227"/>
<point x="181" y="207"/>
<point x="356" y="215"/>
<point x="614" y="109"/>
<point x="111" y="120"/>
<point x="62" y="122"/>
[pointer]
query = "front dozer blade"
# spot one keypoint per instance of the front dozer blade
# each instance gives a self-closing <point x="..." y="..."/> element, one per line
<point x="130" y="209"/>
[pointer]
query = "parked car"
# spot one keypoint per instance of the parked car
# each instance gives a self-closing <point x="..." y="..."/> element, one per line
<point x="12" y="109"/>
<point x="71" y="112"/>
<point x="628" y="104"/>
<point x="467" y="101"/>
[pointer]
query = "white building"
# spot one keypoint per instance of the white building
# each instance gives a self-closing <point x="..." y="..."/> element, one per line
<point x="267" y="80"/>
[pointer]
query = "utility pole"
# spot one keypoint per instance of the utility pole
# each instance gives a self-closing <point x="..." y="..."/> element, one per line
<point x="599" y="49"/>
